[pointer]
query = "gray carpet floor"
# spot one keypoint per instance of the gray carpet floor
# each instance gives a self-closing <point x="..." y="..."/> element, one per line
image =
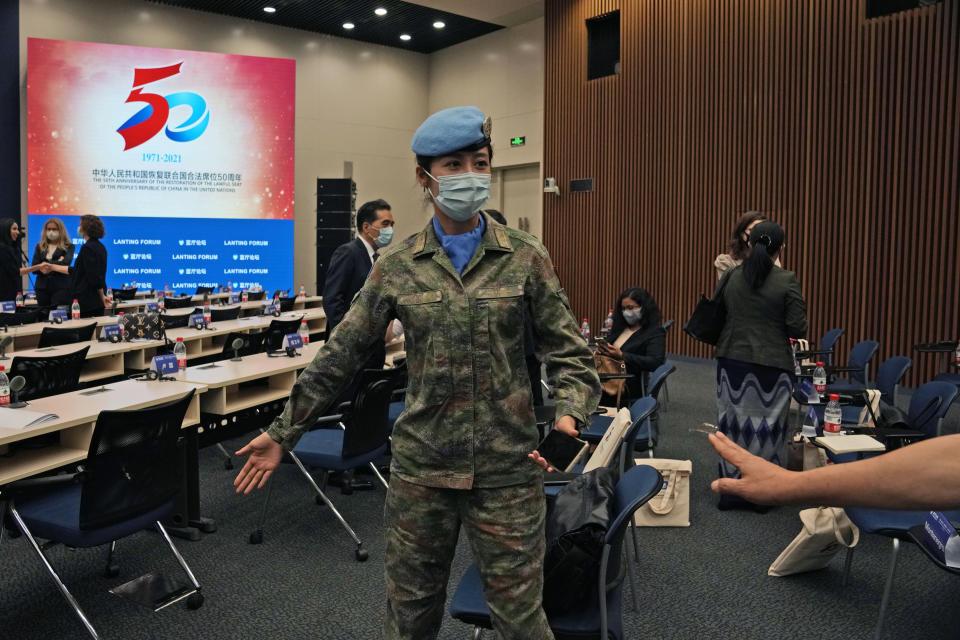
<point x="705" y="581"/>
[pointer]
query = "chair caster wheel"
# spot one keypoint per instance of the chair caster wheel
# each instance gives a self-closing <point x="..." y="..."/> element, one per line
<point x="195" y="601"/>
<point x="111" y="572"/>
<point x="319" y="501"/>
<point x="228" y="464"/>
<point x="361" y="554"/>
<point x="256" y="537"/>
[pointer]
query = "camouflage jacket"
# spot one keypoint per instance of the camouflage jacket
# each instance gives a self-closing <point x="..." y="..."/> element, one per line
<point x="469" y="418"/>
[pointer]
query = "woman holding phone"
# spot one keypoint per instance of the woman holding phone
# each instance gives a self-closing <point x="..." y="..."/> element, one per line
<point x="638" y="338"/>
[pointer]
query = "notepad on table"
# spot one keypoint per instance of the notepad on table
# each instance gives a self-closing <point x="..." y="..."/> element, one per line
<point x="850" y="443"/>
<point x="21" y="418"/>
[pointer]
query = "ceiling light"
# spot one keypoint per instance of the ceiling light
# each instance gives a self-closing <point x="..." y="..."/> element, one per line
<point x="348" y="25"/>
<point x="270" y="9"/>
<point x="380" y="11"/>
<point x="404" y="36"/>
<point x="439" y="24"/>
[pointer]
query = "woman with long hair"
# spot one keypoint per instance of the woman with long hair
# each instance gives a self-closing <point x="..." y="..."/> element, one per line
<point x="53" y="289"/>
<point x="88" y="282"/>
<point x="11" y="273"/>
<point x="738" y="247"/>
<point x="765" y="308"/>
<point x="638" y="338"/>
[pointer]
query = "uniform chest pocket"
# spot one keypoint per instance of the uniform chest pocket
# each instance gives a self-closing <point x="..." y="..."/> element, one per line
<point x="427" y="343"/>
<point x="499" y="339"/>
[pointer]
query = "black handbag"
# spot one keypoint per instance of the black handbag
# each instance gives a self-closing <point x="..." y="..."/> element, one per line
<point x="575" y="530"/>
<point x="708" y="317"/>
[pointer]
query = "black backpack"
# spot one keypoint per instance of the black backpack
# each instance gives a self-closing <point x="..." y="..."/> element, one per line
<point x="575" y="530"/>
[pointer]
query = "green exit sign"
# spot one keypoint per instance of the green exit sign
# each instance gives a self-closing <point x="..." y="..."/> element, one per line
<point x="518" y="141"/>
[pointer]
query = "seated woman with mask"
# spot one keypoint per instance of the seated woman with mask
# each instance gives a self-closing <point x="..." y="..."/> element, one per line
<point x="638" y="338"/>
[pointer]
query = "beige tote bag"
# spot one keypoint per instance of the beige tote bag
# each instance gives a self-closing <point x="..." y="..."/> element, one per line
<point x="826" y="530"/>
<point x="670" y="507"/>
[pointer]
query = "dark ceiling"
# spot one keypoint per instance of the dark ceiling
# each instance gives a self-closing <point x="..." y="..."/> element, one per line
<point x="328" y="16"/>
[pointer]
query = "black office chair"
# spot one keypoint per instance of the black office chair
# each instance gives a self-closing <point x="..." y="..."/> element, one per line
<point x="219" y="314"/>
<point x="362" y="437"/>
<point x="252" y="343"/>
<point x="286" y="304"/>
<point x="256" y="295"/>
<point x="203" y="290"/>
<point x="130" y="480"/>
<point x="125" y="294"/>
<point x="273" y="336"/>
<point x="178" y="302"/>
<point x="49" y="375"/>
<point x="15" y="319"/>
<point x="174" y="321"/>
<point x="54" y="337"/>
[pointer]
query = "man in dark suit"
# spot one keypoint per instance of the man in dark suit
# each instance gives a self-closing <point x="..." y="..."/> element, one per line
<point x="351" y="262"/>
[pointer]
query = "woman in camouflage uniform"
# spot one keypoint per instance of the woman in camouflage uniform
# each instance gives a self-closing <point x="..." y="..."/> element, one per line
<point x="462" y="447"/>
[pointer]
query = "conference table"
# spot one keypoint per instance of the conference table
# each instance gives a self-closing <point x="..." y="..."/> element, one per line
<point x="107" y="360"/>
<point x="76" y="414"/>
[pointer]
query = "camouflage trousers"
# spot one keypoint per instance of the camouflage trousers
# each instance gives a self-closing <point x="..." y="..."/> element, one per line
<point x="504" y="526"/>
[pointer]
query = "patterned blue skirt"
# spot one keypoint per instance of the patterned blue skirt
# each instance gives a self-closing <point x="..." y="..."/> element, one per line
<point x="753" y="403"/>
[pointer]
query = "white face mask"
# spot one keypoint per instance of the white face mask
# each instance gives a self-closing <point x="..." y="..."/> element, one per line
<point x="53" y="235"/>
<point x="632" y="316"/>
<point x="461" y="195"/>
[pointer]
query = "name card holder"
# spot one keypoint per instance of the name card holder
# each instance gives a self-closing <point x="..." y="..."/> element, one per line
<point x="271" y="310"/>
<point x="292" y="341"/>
<point x="111" y="333"/>
<point x="8" y="306"/>
<point x="235" y="298"/>
<point x="196" y="321"/>
<point x="57" y="316"/>
<point x="153" y="307"/>
<point x="164" y="365"/>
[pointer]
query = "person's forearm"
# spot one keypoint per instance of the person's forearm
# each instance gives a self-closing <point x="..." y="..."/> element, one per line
<point x="925" y="475"/>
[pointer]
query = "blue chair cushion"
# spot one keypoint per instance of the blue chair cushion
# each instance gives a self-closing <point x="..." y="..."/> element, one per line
<point x="323" y="449"/>
<point x="394" y="411"/>
<point x="468" y="605"/>
<point x="952" y="378"/>
<point x="889" y="522"/>
<point x="56" y="516"/>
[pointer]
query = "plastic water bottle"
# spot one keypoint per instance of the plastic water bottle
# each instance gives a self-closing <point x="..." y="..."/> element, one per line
<point x="304" y="331"/>
<point x="608" y="324"/>
<point x="832" y="416"/>
<point x="206" y="312"/>
<point x="180" y="350"/>
<point x="123" y="331"/>
<point x="229" y="286"/>
<point x="166" y="289"/>
<point x="109" y="293"/>
<point x="161" y="305"/>
<point x="303" y="292"/>
<point x="796" y="363"/>
<point x="19" y="299"/>
<point x="585" y="330"/>
<point x="245" y="296"/>
<point x="75" y="310"/>
<point x="820" y="379"/>
<point x="4" y="387"/>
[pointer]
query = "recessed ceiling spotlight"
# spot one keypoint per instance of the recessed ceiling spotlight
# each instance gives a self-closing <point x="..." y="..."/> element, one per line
<point x="439" y="24"/>
<point x="380" y="11"/>
<point x="348" y="25"/>
<point x="404" y="36"/>
<point x="270" y="9"/>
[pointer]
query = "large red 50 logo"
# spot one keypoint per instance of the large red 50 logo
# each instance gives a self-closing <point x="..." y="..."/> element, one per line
<point x="146" y="123"/>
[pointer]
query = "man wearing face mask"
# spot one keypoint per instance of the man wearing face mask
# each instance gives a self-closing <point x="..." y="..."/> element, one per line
<point x="463" y="449"/>
<point x="351" y="262"/>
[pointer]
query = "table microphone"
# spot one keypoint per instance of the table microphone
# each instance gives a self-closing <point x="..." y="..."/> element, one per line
<point x="236" y="345"/>
<point x="4" y="343"/>
<point x="16" y="385"/>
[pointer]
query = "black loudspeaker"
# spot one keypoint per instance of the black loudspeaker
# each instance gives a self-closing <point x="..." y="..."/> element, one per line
<point x="336" y="207"/>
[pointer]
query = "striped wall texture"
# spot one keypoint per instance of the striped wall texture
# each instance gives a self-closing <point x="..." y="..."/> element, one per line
<point x="845" y="130"/>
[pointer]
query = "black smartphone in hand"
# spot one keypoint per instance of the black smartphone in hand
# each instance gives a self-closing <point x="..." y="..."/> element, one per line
<point x="562" y="451"/>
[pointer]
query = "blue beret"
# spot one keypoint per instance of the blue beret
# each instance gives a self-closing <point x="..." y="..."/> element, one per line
<point x="451" y="130"/>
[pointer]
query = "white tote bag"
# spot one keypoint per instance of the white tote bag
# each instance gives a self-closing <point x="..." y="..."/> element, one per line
<point x="670" y="507"/>
<point x="826" y="530"/>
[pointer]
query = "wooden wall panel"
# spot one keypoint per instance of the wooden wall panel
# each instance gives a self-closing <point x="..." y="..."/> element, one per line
<point x="845" y="130"/>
